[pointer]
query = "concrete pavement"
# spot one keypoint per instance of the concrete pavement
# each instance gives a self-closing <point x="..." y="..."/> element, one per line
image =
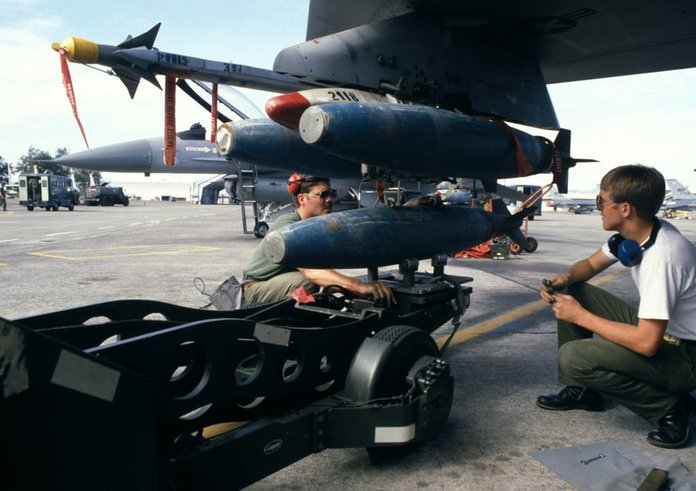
<point x="502" y="358"/>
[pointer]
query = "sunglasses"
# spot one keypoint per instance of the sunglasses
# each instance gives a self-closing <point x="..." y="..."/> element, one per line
<point x="329" y="193"/>
<point x="601" y="203"/>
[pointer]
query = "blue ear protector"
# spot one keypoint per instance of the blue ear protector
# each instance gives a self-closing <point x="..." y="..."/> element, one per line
<point x="629" y="252"/>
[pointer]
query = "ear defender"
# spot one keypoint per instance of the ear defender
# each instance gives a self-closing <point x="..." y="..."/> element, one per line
<point x="295" y="183"/>
<point x="630" y="252"/>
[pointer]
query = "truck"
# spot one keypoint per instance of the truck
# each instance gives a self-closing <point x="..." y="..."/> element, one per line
<point x="48" y="191"/>
<point x="105" y="195"/>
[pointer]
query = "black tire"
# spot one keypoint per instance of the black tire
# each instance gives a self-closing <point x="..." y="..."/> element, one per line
<point x="125" y="202"/>
<point x="409" y="344"/>
<point x="30" y="207"/>
<point x="386" y="374"/>
<point x="71" y="207"/>
<point x="107" y="201"/>
<point x="532" y="244"/>
<point x="260" y="230"/>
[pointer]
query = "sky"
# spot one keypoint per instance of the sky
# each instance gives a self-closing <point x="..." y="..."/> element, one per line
<point x="648" y="118"/>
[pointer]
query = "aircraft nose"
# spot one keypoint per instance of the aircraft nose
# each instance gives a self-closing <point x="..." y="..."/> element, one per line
<point x="134" y="156"/>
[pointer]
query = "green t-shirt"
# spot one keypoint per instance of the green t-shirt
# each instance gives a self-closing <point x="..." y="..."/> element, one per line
<point x="259" y="267"/>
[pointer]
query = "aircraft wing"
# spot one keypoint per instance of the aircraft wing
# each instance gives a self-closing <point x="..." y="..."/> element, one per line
<point x="570" y="40"/>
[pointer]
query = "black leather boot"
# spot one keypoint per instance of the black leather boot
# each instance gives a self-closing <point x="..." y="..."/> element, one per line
<point x="674" y="428"/>
<point x="572" y="397"/>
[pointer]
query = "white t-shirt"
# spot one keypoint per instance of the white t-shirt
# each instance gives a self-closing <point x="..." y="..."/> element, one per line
<point x="666" y="281"/>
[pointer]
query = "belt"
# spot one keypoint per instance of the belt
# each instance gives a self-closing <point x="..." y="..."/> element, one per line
<point x="669" y="339"/>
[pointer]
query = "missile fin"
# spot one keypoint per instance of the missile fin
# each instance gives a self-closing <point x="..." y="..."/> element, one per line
<point x="512" y="223"/>
<point x="131" y="82"/>
<point x="146" y="39"/>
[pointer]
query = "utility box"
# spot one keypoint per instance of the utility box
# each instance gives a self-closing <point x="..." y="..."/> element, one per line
<point x="499" y="250"/>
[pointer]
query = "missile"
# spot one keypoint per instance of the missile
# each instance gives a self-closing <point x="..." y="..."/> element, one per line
<point x="266" y="143"/>
<point x="372" y="237"/>
<point x="424" y="140"/>
<point x="80" y="50"/>
<point x="287" y="109"/>
<point x="136" y="58"/>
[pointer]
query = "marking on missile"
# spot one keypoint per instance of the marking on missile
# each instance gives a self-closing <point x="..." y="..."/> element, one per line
<point x="489" y="325"/>
<point x="198" y="149"/>
<point x="122" y="251"/>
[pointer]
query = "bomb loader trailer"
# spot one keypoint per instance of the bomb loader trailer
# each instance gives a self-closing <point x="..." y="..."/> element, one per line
<point x="144" y="411"/>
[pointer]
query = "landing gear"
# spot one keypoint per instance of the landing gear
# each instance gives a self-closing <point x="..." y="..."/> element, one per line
<point x="260" y="230"/>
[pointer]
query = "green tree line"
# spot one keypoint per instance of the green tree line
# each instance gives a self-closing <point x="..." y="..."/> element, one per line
<point x="40" y="161"/>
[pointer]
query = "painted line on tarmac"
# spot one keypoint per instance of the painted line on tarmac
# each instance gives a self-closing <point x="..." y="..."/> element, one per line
<point x="120" y="252"/>
<point x="489" y="325"/>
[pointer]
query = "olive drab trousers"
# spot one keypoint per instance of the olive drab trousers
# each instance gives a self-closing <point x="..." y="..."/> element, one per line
<point x="648" y="386"/>
<point x="277" y="288"/>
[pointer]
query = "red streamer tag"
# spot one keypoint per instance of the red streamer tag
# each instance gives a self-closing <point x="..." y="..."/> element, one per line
<point x="214" y="113"/>
<point x="169" y="120"/>
<point x="67" y="83"/>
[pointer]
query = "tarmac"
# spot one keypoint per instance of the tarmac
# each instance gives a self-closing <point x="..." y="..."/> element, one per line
<point x="502" y="357"/>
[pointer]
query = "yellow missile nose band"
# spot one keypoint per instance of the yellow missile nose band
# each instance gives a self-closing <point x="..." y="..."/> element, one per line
<point x="79" y="50"/>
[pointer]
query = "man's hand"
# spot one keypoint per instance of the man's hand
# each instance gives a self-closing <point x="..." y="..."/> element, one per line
<point x="378" y="290"/>
<point x="566" y="308"/>
<point x="552" y="285"/>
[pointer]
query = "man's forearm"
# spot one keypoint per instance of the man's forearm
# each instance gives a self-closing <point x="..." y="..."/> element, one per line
<point x="579" y="272"/>
<point x="326" y="277"/>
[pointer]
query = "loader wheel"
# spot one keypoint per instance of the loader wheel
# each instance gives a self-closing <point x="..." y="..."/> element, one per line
<point x="514" y="248"/>
<point x="379" y="371"/>
<point x="532" y="244"/>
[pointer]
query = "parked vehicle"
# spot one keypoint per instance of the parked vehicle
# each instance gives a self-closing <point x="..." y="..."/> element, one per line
<point x="105" y="195"/>
<point x="48" y="191"/>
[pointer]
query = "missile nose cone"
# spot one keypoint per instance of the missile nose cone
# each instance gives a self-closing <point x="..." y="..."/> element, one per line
<point x="287" y="109"/>
<point x="313" y="124"/>
<point x="274" y="247"/>
<point x="78" y="50"/>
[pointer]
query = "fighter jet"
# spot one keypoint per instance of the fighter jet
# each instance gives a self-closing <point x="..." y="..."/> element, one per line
<point x="263" y="188"/>
<point x="424" y="88"/>
<point x="575" y="203"/>
<point x="679" y="198"/>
